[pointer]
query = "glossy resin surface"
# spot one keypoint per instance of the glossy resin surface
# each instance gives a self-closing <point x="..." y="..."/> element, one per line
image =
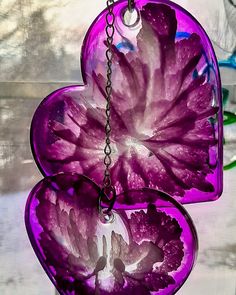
<point x="139" y="252"/>
<point x="166" y="108"/>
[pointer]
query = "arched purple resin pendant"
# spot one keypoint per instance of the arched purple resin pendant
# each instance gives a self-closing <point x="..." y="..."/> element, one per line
<point x="166" y="108"/>
<point x="133" y="252"/>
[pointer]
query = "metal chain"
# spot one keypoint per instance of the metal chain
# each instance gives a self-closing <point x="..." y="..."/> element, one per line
<point x="108" y="189"/>
<point x="110" y="30"/>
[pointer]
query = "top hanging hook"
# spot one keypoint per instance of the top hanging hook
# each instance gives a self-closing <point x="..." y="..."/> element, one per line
<point x="131" y="5"/>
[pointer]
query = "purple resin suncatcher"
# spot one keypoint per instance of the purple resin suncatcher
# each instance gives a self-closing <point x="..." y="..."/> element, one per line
<point x="166" y="108"/>
<point x="166" y="119"/>
<point x="138" y="252"/>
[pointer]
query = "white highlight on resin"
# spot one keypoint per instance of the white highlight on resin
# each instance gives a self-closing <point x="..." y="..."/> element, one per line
<point x="137" y="145"/>
<point x="105" y="230"/>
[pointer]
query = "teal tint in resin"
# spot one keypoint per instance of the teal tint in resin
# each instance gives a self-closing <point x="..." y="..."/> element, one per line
<point x="166" y="108"/>
<point x="229" y="67"/>
<point x="229" y="63"/>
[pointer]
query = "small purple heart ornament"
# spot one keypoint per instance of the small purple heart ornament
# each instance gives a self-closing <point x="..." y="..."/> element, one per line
<point x="84" y="251"/>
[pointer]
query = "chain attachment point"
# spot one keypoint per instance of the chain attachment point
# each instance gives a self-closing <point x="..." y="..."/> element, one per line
<point x="131" y="5"/>
<point x="107" y="195"/>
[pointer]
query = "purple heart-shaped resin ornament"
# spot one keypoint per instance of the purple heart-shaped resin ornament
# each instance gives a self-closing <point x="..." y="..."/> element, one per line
<point x="139" y="251"/>
<point x="166" y="108"/>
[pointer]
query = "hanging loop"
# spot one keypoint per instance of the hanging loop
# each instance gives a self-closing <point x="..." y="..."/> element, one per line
<point x="131" y="5"/>
<point x="108" y="196"/>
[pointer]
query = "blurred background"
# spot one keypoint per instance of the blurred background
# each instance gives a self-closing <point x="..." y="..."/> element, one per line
<point x="40" y="45"/>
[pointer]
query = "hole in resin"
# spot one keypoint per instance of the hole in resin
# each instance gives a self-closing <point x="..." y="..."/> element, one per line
<point x="106" y="216"/>
<point x="131" y="18"/>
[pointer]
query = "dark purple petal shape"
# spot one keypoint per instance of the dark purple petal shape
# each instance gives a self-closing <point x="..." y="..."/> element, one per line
<point x="157" y="281"/>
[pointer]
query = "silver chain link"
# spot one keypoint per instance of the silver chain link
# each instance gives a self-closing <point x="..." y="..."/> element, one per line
<point x="110" y="30"/>
<point x="108" y="189"/>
